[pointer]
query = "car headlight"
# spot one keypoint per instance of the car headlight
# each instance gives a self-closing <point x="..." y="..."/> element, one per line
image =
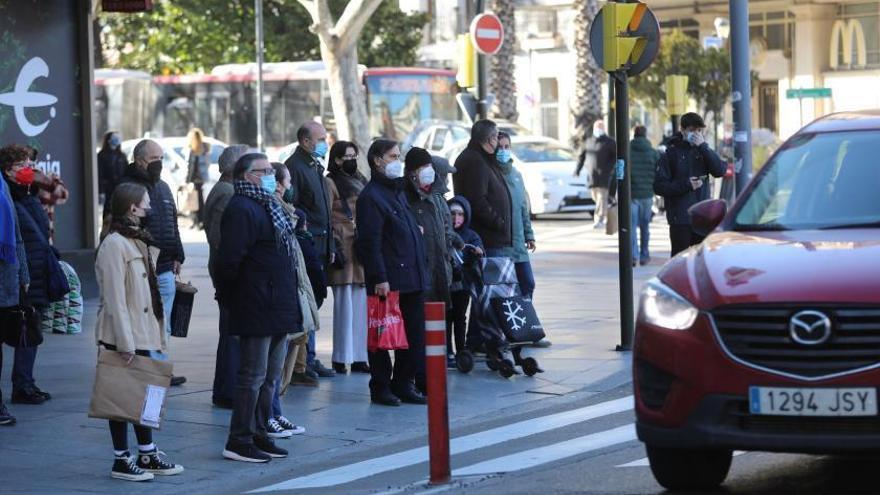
<point x="663" y="307"/>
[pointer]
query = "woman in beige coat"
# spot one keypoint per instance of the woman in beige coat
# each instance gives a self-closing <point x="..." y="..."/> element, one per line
<point x="130" y="318"/>
<point x="346" y="275"/>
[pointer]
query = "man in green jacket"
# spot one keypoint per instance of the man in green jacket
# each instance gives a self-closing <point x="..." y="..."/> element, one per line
<point x="643" y="158"/>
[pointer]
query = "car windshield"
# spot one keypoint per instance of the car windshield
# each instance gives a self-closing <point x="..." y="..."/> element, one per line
<point x="540" y="152"/>
<point x="817" y="181"/>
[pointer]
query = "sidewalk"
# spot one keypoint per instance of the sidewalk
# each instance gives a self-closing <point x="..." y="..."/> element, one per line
<point x="55" y="448"/>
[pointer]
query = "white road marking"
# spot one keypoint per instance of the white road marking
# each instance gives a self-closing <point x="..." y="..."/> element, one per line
<point x="494" y="436"/>
<point x="550" y="453"/>
<point x="644" y="461"/>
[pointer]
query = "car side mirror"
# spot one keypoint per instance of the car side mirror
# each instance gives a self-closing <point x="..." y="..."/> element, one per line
<point x="706" y="215"/>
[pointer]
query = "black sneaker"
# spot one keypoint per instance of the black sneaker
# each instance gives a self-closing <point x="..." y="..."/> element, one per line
<point x="245" y="453"/>
<point x="321" y="370"/>
<point x="46" y="395"/>
<point x="339" y="368"/>
<point x="385" y="399"/>
<point x="156" y="462"/>
<point x="360" y="367"/>
<point x="267" y="446"/>
<point x="177" y="381"/>
<point x="6" y="419"/>
<point x="275" y="430"/>
<point x="27" y="397"/>
<point x="411" y="395"/>
<point x="125" y="468"/>
<point x="287" y="425"/>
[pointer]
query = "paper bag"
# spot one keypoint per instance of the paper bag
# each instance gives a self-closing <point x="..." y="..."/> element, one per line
<point x="611" y="223"/>
<point x="134" y="393"/>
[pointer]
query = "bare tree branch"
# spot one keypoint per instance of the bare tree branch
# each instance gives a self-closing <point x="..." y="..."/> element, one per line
<point x="348" y="27"/>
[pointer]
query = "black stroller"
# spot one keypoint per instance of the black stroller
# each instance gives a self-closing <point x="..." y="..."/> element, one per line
<point x="488" y="279"/>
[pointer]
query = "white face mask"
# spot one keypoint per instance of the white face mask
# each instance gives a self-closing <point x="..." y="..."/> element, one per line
<point x="427" y="176"/>
<point x="394" y="170"/>
<point x="597" y="132"/>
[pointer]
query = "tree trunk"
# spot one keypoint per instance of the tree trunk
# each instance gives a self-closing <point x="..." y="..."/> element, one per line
<point x="347" y="95"/>
<point x="502" y="82"/>
<point x="588" y="87"/>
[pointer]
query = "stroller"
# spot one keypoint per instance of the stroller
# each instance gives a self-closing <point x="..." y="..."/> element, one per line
<point x="488" y="279"/>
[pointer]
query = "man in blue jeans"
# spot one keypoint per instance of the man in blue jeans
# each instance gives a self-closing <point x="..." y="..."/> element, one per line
<point x="643" y="158"/>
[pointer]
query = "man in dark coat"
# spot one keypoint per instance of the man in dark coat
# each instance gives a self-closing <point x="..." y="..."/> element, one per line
<point x="480" y="181"/>
<point x="598" y="156"/>
<point x="162" y="223"/>
<point x="257" y="280"/>
<point x="682" y="176"/>
<point x="310" y="195"/>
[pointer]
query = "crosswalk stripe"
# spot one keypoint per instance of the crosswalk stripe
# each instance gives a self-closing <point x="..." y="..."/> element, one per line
<point x="550" y="453"/>
<point x="494" y="436"/>
<point x="644" y="461"/>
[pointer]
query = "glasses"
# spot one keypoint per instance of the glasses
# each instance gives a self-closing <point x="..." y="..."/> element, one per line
<point x="261" y="172"/>
<point x="27" y="164"/>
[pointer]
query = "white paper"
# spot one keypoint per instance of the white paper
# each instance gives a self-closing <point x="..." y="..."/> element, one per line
<point x="153" y="406"/>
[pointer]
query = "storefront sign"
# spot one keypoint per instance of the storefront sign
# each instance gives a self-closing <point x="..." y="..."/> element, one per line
<point x="849" y="32"/>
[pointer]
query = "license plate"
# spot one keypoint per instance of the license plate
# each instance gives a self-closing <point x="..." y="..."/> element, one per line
<point x="779" y="401"/>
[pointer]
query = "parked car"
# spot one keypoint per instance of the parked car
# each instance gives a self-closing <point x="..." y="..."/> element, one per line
<point x="767" y="335"/>
<point x="437" y="136"/>
<point x="175" y="165"/>
<point x="547" y="167"/>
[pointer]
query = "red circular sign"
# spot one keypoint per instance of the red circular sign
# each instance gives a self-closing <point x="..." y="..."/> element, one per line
<point x="487" y="33"/>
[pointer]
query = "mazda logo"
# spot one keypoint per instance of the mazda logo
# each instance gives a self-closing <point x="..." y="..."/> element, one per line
<point x="809" y="328"/>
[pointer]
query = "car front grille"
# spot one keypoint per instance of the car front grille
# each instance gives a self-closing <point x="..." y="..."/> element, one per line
<point x="759" y="336"/>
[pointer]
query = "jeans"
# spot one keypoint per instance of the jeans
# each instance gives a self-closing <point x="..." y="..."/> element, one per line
<point x="641" y="224"/>
<point x="23" y="368"/>
<point x="276" y="385"/>
<point x="227" y="363"/>
<point x="261" y="362"/>
<point x="409" y="364"/>
<point x="310" y="350"/>
<point x="167" y="289"/>
<point x="525" y="278"/>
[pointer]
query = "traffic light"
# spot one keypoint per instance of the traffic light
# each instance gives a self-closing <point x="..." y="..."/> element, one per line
<point x="467" y="63"/>
<point x="621" y="46"/>
<point x="676" y="94"/>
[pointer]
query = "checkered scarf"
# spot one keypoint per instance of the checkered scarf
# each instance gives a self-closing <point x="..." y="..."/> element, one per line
<point x="285" y="234"/>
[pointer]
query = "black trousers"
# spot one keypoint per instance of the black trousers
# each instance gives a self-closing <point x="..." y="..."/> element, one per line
<point x="228" y="359"/>
<point x="409" y="364"/>
<point x="683" y="237"/>
<point x="456" y="321"/>
<point x="200" y="214"/>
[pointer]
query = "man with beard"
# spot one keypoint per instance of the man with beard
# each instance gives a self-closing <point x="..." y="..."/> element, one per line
<point x="161" y="222"/>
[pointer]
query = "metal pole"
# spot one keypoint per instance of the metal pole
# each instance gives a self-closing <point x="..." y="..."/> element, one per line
<point x="742" y="92"/>
<point x="612" y="123"/>
<point x="675" y="123"/>
<point x="258" y="11"/>
<point x="482" y="111"/>
<point x="624" y="216"/>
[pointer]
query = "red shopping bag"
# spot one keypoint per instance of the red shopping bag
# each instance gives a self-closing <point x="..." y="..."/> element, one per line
<point x="385" y="329"/>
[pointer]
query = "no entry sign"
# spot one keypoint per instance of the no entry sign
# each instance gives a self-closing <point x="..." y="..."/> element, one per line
<point x="487" y="33"/>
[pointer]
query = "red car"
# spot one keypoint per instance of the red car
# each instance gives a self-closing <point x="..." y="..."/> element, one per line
<point x="766" y="336"/>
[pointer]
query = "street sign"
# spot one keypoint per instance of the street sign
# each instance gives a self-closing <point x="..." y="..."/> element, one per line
<point x="487" y="33"/>
<point x="793" y="94"/>
<point x="715" y="42"/>
<point x="625" y="37"/>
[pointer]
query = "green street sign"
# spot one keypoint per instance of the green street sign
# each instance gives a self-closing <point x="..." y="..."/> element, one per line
<point x="808" y="93"/>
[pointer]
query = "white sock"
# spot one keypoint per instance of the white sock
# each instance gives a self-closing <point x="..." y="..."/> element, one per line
<point x="120" y="453"/>
<point x="147" y="448"/>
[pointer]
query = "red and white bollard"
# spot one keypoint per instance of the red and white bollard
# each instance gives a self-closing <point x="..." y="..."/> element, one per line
<point x="438" y="411"/>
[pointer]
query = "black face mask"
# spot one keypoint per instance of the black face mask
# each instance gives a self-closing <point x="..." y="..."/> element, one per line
<point x="154" y="170"/>
<point x="350" y="166"/>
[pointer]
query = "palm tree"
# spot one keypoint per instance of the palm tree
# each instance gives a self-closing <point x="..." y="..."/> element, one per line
<point x="587" y="106"/>
<point x="501" y="77"/>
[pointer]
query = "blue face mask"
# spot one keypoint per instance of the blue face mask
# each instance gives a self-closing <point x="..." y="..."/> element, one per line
<point x="268" y="183"/>
<point x="320" y="149"/>
<point x="502" y="155"/>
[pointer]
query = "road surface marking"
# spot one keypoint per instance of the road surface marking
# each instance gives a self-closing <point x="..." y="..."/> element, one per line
<point x="494" y="436"/>
<point x="550" y="453"/>
<point x="644" y="461"/>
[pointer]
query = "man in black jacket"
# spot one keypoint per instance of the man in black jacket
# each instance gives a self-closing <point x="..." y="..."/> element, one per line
<point x="681" y="178"/>
<point x="310" y="195"/>
<point x="161" y="223"/>
<point x="598" y="156"/>
<point x="480" y="181"/>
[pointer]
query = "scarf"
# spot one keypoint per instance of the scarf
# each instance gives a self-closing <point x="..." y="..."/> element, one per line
<point x="126" y="227"/>
<point x="7" y="221"/>
<point x="284" y="230"/>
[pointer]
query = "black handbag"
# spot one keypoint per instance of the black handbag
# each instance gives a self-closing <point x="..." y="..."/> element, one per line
<point x="21" y="326"/>
<point x="518" y="319"/>
<point x="181" y="311"/>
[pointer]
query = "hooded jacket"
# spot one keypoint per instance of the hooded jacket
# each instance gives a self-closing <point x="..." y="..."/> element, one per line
<point x="465" y="232"/>
<point x="643" y="160"/>
<point x="480" y="181"/>
<point x="672" y="176"/>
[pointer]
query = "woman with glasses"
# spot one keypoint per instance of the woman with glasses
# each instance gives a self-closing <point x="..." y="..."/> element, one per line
<point x="346" y="274"/>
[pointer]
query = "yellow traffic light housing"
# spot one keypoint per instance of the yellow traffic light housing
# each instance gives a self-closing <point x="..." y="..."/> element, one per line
<point x="621" y="48"/>
<point x="466" y="77"/>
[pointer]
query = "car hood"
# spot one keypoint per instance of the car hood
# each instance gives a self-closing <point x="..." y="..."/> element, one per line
<point x="828" y="266"/>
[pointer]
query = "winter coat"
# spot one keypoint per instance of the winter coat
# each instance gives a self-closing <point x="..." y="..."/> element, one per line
<point x="483" y="185"/>
<point x="522" y="223"/>
<point x="311" y="318"/>
<point x="310" y="195"/>
<point x="673" y="172"/>
<point x="314" y="267"/>
<point x="257" y="278"/>
<point x="125" y="315"/>
<point x="197" y="172"/>
<point x="216" y="203"/>
<point x="162" y="224"/>
<point x="643" y="160"/>
<point x="467" y="235"/>
<point x="111" y="168"/>
<point x="598" y="156"/>
<point x="344" y="230"/>
<point x="33" y="223"/>
<point x="389" y="242"/>
<point x="13" y="275"/>
<point x="429" y="214"/>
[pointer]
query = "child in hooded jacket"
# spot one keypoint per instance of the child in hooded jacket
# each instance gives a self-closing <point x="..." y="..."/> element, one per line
<point x="456" y="316"/>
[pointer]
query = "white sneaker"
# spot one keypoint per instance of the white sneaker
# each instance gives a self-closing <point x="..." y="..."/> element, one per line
<point x="288" y="426"/>
<point x="275" y="430"/>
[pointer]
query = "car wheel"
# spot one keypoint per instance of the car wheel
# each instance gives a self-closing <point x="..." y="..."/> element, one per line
<point x="680" y="469"/>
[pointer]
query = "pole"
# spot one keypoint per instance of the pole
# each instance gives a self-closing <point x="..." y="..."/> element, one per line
<point x="258" y="11"/>
<point x="624" y="215"/>
<point x="438" y="408"/>
<point x="675" y="123"/>
<point x="482" y="111"/>
<point x="612" y="123"/>
<point x="742" y="92"/>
